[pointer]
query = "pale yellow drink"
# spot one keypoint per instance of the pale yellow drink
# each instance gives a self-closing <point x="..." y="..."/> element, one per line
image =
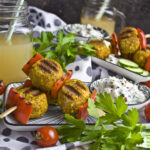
<point x="105" y="23"/>
<point x="13" y="56"/>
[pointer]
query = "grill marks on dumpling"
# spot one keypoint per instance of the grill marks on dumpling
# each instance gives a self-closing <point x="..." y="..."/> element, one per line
<point x="70" y="88"/>
<point x="124" y="37"/>
<point x="70" y="91"/>
<point x="68" y="96"/>
<point x="80" y="85"/>
<point x="48" y="66"/>
<point x="126" y="32"/>
<point x="43" y="68"/>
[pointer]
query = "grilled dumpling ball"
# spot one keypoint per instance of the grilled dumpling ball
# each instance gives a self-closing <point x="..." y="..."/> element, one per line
<point x="73" y="94"/>
<point x="44" y="74"/>
<point x="102" y="51"/>
<point x="129" y="41"/>
<point x="140" y="57"/>
<point x="37" y="98"/>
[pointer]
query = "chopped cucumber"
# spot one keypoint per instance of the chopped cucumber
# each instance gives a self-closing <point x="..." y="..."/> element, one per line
<point x="136" y="70"/>
<point x="128" y="63"/>
<point x="145" y="73"/>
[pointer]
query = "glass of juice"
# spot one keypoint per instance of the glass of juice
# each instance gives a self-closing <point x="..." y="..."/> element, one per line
<point x="109" y="18"/>
<point x="15" y="53"/>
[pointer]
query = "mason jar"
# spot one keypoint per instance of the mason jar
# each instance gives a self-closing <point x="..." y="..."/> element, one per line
<point x="16" y="52"/>
<point x="101" y="14"/>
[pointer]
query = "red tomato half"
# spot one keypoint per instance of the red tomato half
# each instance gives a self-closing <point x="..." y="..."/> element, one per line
<point x="147" y="112"/>
<point x="2" y="87"/>
<point x="46" y="136"/>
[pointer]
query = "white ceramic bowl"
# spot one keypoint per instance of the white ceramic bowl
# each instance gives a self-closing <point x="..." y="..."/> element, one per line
<point x="79" y="37"/>
<point x="141" y="87"/>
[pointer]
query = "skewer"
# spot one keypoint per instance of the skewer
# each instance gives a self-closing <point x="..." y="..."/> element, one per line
<point x="7" y="112"/>
<point x="10" y="110"/>
<point x="147" y="36"/>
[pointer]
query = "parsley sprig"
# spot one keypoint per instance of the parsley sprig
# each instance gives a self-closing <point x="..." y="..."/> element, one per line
<point x="62" y="48"/>
<point x="124" y="136"/>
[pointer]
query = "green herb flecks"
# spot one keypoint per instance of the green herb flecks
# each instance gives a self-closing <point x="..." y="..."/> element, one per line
<point x="116" y="136"/>
<point x="64" y="50"/>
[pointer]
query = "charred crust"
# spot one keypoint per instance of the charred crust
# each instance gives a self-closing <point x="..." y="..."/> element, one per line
<point x="50" y="64"/>
<point x="80" y="85"/>
<point x="124" y="37"/>
<point x="126" y="32"/>
<point x="68" y="96"/>
<point x="72" y="89"/>
<point x="44" y="68"/>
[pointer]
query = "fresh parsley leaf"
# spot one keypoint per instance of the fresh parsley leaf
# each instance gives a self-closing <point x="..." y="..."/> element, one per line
<point x="69" y="38"/>
<point x="65" y="50"/>
<point x="117" y="134"/>
<point x="135" y="139"/>
<point x="50" y="54"/>
<point x="92" y="110"/>
<point x="96" y="145"/>
<point x="125" y="136"/>
<point x="44" y="41"/>
<point x="73" y="132"/>
<point x="109" y="118"/>
<point x="59" y="45"/>
<point x="105" y="103"/>
<point x="108" y="146"/>
<point x="114" y="110"/>
<point x="90" y="135"/>
<point x="131" y="118"/>
<point x="71" y="120"/>
<point x="120" y="105"/>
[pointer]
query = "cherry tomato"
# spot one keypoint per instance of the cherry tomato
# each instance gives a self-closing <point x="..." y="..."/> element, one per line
<point x="46" y="136"/>
<point x="2" y="87"/>
<point x="147" y="112"/>
<point x="80" y="48"/>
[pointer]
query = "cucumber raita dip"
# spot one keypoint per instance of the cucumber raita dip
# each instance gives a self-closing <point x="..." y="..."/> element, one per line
<point x="112" y="59"/>
<point x="117" y="87"/>
<point x="85" y="31"/>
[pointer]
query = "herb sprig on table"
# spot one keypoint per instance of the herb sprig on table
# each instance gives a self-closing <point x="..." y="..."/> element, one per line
<point x="123" y="136"/>
<point x="61" y="48"/>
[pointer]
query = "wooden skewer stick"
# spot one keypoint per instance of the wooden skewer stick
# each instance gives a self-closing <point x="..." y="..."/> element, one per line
<point x="147" y="36"/>
<point x="7" y="112"/>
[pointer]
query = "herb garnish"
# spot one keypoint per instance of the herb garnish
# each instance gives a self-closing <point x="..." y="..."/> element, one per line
<point x="64" y="50"/>
<point x="125" y="136"/>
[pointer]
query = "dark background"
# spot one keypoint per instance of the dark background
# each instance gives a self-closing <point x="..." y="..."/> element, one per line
<point x="137" y="11"/>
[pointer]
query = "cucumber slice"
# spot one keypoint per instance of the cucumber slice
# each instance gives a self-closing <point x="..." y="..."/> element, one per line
<point x="128" y="63"/>
<point x="136" y="70"/>
<point x="145" y="73"/>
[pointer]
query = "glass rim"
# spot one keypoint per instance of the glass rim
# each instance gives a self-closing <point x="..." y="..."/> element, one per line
<point x="11" y="2"/>
<point x="8" y="8"/>
<point x="12" y="5"/>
